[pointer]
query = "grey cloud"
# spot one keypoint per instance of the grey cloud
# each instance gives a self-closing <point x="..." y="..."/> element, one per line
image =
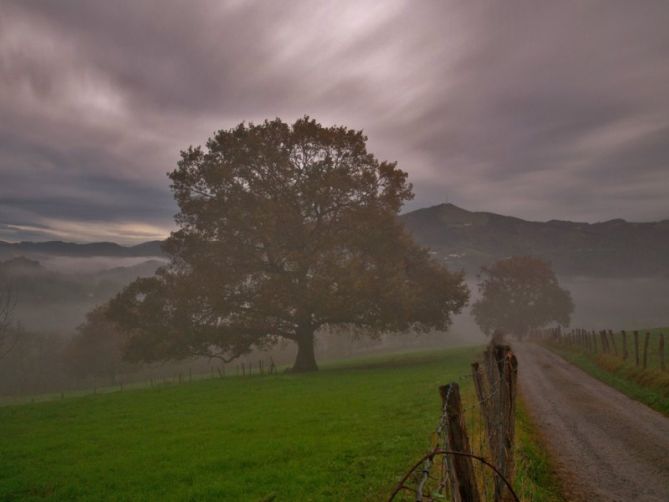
<point x="540" y="110"/>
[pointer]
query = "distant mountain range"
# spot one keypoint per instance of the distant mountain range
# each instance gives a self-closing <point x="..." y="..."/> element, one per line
<point x="59" y="248"/>
<point x="616" y="248"/>
<point x="467" y="240"/>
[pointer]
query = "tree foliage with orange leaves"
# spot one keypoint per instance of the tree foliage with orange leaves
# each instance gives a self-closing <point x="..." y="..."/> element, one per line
<point x="518" y="294"/>
<point x="284" y="229"/>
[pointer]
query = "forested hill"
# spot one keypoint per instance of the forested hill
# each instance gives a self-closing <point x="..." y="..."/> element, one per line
<point x="59" y="248"/>
<point x="616" y="248"/>
<point x="466" y="240"/>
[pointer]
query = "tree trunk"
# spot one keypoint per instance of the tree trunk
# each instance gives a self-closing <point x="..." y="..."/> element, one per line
<point x="306" y="358"/>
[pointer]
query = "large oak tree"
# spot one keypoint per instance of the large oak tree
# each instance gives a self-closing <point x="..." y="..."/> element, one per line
<point x="284" y="229"/>
<point x="518" y="294"/>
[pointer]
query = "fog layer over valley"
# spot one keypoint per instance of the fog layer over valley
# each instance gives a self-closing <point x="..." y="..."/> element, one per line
<point x="54" y="293"/>
<point x="55" y="288"/>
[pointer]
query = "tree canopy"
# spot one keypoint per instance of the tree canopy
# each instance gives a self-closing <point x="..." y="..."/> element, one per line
<point x="96" y="347"/>
<point x="284" y="229"/>
<point x="518" y="294"/>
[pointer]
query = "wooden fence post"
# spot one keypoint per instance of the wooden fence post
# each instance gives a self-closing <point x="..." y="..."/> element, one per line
<point x="465" y="489"/>
<point x="482" y="393"/>
<point x="605" y="342"/>
<point x="613" y="343"/>
<point x="508" y="371"/>
<point x="636" y="348"/>
<point x="645" y="350"/>
<point x="625" y="354"/>
<point x="660" y="349"/>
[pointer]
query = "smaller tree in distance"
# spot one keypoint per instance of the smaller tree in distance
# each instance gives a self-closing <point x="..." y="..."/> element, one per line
<point x="519" y="294"/>
<point x="96" y="348"/>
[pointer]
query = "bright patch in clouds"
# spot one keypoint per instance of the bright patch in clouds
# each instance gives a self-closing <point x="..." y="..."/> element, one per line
<point x="557" y="110"/>
<point x="123" y="233"/>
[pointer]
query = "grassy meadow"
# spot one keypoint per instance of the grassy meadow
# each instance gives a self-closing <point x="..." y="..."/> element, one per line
<point x="347" y="432"/>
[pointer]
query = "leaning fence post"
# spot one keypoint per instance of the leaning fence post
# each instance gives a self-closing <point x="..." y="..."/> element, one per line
<point x="613" y="342"/>
<point x="625" y="354"/>
<point x="511" y="379"/>
<point x="645" y="349"/>
<point x="465" y="489"/>
<point x="636" y="348"/>
<point x="507" y="367"/>
<point x="605" y="341"/>
<point x="660" y="349"/>
<point x="485" y="405"/>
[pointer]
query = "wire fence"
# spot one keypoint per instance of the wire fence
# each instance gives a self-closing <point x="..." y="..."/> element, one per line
<point x="645" y="350"/>
<point x="161" y="378"/>
<point x="471" y="451"/>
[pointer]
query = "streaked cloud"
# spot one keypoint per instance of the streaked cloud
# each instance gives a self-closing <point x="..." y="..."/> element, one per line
<point x="541" y="110"/>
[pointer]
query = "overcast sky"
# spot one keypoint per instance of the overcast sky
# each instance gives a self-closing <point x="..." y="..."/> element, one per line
<point x="536" y="109"/>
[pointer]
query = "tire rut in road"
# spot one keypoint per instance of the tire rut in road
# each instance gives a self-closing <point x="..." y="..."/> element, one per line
<point x="610" y="447"/>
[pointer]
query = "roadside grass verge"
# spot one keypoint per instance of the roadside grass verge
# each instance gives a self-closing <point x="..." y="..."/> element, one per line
<point x="649" y="386"/>
<point x="536" y="479"/>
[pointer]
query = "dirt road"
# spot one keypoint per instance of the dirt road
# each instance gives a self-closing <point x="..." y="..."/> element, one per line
<point x="608" y="446"/>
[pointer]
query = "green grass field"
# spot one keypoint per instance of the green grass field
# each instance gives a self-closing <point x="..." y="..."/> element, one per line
<point x="650" y="385"/>
<point x="346" y="433"/>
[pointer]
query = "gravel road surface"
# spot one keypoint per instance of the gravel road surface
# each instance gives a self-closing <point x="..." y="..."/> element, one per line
<point x="607" y="446"/>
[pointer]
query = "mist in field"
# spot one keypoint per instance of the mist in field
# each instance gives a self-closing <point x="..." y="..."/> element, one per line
<point x="74" y="265"/>
<point x="615" y="303"/>
<point x="54" y="293"/>
<point x="55" y="297"/>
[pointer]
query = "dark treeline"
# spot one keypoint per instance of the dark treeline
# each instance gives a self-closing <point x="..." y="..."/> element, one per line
<point x="91" y="359"/>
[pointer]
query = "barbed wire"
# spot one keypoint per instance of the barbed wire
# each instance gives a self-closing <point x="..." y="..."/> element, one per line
<point x="421" y="471"/>
<point x="402" y="484"/>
